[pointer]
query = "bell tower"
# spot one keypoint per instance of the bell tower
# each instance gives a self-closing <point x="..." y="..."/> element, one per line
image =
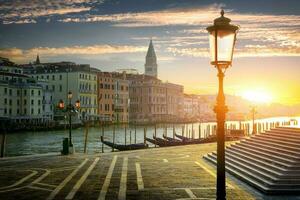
<point x="151" y="63"/>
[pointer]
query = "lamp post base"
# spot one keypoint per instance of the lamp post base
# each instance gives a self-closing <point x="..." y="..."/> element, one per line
<point x="71" y="149"/>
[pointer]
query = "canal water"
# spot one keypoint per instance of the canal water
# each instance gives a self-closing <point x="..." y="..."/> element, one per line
<point x="28" y="143"/>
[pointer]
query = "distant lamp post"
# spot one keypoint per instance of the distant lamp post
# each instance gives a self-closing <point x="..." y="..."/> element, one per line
<point x="222" y="36"/>
<point x="70" y="109"/>
<point x="253" y="112"/>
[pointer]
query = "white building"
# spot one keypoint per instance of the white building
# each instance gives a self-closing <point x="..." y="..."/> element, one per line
<point x="63" y="77"/>
<point x="21" y="96"/>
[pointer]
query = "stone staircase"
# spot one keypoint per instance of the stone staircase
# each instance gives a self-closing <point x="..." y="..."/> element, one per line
<point x="270" y="161"/>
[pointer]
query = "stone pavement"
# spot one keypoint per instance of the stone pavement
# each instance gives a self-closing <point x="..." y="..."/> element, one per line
<point x="160" y="173"/>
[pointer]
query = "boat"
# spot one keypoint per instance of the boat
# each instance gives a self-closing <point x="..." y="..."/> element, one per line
<point x="151" y="141"/>
<point x="165" y="143"/>
<point x="171" y="139"/>
<point x="122" y="147"/>
<point x="182" y="137"/>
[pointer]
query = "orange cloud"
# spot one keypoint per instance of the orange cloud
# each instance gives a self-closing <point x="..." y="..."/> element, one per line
<point x="21" y="55"/>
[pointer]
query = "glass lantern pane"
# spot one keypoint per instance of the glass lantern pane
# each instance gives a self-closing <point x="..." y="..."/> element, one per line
<point x="212" y="45"/>
<point x="225" y="42"/>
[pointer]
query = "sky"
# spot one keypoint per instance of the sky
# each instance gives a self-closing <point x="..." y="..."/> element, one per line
<point x="114" y="34"/>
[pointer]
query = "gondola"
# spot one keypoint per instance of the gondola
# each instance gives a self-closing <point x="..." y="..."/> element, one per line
<point x="122" y="147"/>
<point x="151" y="141"/>
<point x="166" y="143"/>
<point x="182" y="137"/>
<point x="171" y="139"/>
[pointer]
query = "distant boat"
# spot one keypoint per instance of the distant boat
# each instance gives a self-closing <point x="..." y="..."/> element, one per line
<point x="122" y="147"/>
<point x="171" y="139"/>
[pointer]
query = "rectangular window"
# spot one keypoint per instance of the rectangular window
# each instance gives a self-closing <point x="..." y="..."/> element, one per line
<point x="25" y="92"/>
<point x="5" y="90"/>
<point x="39" y="92"/>
<point x="32" y="92"/>
<point x="10" y="102"/>
<point x="60" y="77"/>
<point x="53" y="88"/>
<point x="53" y="77"/>
<point x="10" y="92"/>
<point x="25" y="102"/>
<point x="32" y="102"/>
<point x="60" y="88"/>
<point x="32" y="110"/>
<point x="5" y="101"/>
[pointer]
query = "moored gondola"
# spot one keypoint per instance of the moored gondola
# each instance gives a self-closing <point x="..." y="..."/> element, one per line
<point x="171" y="139"/>
<point x="122" y="147"/>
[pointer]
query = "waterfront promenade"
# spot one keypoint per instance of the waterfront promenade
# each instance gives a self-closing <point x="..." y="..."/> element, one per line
<point x="161" y="173"/>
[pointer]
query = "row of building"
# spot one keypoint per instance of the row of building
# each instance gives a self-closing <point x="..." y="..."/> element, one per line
<point x="31" y="93"/>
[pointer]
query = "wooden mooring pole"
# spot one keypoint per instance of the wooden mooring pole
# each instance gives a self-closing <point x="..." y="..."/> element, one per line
<point x="130" y="137"/>
<point x="125" y="134"/>
<point x="86" y="136"/>
<point x="144" y="135"/>
<point x="135" y="134"/>
<point x="173" y="131"/>
<point x="199" y="131"/>
<point x="103" y="138"/>
<point x="114" y="134"/>
<point x="155" y="134"/>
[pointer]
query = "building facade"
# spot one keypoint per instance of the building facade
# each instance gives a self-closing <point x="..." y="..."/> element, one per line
<point x="66" y="77"/>
<point x="113" y="97"/>
<point x="22" y="97"/>
<point x="151" y="100"/>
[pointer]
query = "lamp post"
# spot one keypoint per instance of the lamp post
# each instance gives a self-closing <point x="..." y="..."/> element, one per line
<point x="253" y="112"/>
<point x="222" y="36"/>
<point x="69" y="109"/>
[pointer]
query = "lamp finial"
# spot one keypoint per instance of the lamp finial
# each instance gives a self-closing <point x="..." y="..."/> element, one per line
<point x="222" y="12"/>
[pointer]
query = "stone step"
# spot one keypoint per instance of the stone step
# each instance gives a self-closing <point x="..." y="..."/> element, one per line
<point x="276" y="141"/>
<point x="264" y="154"/>
<point x="285" y="135"/>
<point x="241" y="176"/>
<point x="280" y="138"/>
<point x="272" y="147"/>
<point x="259" y="182"/>
<point x="269" y="151"/>
<point x="264" y="172"/>
<point x="294" y="129"/>
<point x="280" y="167"/>
<point x="271" y="143"/>
<point x="277" y="162"/>
<point x="258" y="178"/>
<point x="292" y="132"/>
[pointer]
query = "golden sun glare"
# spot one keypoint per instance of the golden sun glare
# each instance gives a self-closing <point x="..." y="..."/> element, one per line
<point x="257" y="96"/>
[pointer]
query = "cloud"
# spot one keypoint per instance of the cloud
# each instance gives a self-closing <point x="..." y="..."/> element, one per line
<point x="22" y="55"/>
<point x="248" y="51"/>
<point x="155" y="18"/>
<point x="280" y="34"/>
<point x="29" y="10"/>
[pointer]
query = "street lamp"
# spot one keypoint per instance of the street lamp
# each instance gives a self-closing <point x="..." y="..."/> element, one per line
<point x="253" y="112"/>
<point x="69" y="109"/>
<point x="222" y="36"/>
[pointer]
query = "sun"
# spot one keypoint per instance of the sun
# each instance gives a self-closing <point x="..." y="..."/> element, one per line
<point x="257" y="96"/>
